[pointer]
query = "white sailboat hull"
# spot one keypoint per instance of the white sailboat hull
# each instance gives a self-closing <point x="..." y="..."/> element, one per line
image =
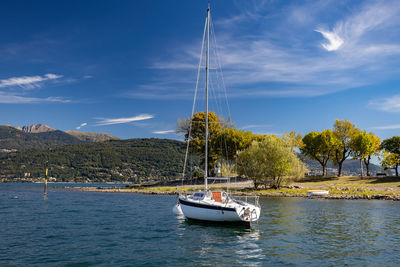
<point x="217" y="213"/>
<point x="205" y="214"/>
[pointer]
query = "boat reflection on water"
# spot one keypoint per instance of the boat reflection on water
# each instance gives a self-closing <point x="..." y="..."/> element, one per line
<point x="211" y="240"/>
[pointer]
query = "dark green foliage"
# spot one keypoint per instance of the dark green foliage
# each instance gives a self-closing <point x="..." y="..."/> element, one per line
<point x="392" y="145"/>
<point x="135" y="160"/>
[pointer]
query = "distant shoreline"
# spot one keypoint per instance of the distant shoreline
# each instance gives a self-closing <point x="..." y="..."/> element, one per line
<point x="277" y="194"/>
<point x="350" y="187"/>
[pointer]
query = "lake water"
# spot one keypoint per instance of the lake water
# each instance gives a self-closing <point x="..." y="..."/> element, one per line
<point x="121" y="229"/>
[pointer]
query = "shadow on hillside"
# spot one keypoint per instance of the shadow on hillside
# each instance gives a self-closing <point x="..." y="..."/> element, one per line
<point x="318" y="179"/>
<point x="388" y="179"/>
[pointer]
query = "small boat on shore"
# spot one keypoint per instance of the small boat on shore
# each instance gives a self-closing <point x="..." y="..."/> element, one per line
<point x="317" y="192"/>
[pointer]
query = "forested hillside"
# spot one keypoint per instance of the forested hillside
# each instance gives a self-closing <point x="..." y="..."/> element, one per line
<point x="134" y="160"/>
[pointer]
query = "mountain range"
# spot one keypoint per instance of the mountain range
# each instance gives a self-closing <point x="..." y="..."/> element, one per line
<point x="79" y="156"/>
<point x="42" y="136"/>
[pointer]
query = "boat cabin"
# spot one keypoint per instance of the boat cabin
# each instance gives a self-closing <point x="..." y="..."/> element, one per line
<point x="217" y="196"/>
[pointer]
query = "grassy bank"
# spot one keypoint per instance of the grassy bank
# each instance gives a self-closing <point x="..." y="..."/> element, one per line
<point x="348" y="187"/>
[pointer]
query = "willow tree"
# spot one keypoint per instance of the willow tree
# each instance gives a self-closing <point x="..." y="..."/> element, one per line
<point x="320" y="147"/>
<point x="344" y="131"/>
<point x="270" y="162"/>
<point x="364" y="146"/>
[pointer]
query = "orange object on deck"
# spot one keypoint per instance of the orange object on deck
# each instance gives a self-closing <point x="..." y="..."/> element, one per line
<point x="217" y="196"/>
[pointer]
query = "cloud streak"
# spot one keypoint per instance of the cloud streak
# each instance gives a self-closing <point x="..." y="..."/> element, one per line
<point x="124" y="120"/>
<point x="164" y="132"/>
<point x="80" y="126"/>
<point x="387" y="127"/>
<point x="255" y="126"/>
<point x="7" y="98"/>
<point x="390" y="104"/>
<point x="28" y="82"/>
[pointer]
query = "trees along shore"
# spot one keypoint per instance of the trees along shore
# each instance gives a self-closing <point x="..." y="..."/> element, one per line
<point x="266" y="159"/>
<point x="348" y="141"/>
<point x="272" y="161"/>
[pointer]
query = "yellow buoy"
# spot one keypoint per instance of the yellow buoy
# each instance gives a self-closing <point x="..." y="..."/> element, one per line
<point x="45" y="182"/>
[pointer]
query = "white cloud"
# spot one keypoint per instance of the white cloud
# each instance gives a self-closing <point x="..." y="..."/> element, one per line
<point x="28" y="82"/>
<point x="335" y="42"/>
<point x="390" y="104"/>
<point x="82" y="125"/>
<point x="125" y="120"/>
<point x="7" y="98"/>
<point x="387" y="127"/>
<point x="283" y="61"/>
<point x="255" y="126"/>
<point x="164" y="132"/>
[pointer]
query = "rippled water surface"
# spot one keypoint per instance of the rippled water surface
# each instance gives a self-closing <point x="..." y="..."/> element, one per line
<point x="110" y="229"/>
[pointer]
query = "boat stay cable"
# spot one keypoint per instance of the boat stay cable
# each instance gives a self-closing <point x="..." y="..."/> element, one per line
<point x="194" y="102"/>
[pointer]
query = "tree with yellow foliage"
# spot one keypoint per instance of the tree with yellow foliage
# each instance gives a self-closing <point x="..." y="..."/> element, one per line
<point x="364" y="146"/>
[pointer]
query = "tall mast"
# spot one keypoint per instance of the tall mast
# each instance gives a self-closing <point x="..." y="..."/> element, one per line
<point x="207" y="62"/>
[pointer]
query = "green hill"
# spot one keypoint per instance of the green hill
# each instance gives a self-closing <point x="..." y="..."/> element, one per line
<point x="135" y="160"/>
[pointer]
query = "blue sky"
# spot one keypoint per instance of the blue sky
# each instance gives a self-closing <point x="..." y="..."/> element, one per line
<point x="129" y="68"/>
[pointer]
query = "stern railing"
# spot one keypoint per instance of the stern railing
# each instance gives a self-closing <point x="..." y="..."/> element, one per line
<point x="254" y="200"/>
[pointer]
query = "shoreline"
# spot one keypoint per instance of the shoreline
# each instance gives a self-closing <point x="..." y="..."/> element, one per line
<point x="261" y="194"/>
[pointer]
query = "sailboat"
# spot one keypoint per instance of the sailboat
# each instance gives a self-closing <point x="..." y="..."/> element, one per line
<point x="216" y="206"/>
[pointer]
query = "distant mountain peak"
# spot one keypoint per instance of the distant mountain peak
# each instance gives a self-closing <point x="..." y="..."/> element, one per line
<point x="92" y="137"/>
<point x="36" y="128"/>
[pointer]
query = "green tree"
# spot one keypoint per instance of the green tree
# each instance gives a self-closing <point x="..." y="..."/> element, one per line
<point x="320" y="147"/>
<point x="363" y="147"/>
<point x="345" y="131"/>
<point x="194" y="130"/>
<point x="270" y="162"/>
<point x="390" y="161"/>
<point x="392" y="146"/>
<point x="230" y="140"/>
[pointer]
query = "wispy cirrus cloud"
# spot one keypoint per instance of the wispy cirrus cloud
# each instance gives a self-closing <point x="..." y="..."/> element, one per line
<point x="28" y="82"/>
<point x="80" y="126"/>
<point x="387" y="127"/>
<point x="335" y="42"/>
<point x="281" y="61"/>
<point x="389" y="104"/>
<point x="9" y="94"/>
<point x="255" y="126"/>
<point x="164" y="132"/>
<point x="7" y="98"/>
<point x="141" y="117"/>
